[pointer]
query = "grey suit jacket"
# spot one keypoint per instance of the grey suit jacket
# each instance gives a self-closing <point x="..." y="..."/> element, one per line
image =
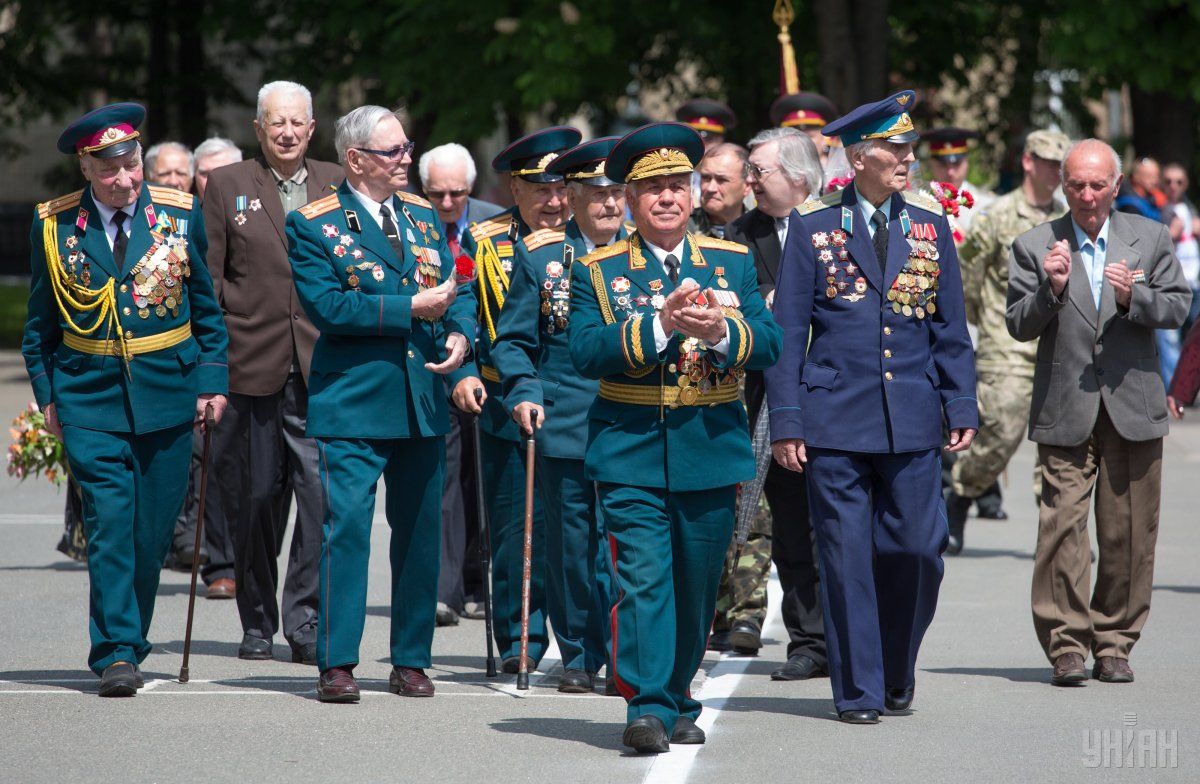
<point x="1086" y="356"/>
<point x="480" y="210"/>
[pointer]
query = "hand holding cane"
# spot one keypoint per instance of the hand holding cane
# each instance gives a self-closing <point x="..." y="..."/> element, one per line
<point x="484" y="541"/>
<point x="210" y="422"/>
<point x="527" y="557"/>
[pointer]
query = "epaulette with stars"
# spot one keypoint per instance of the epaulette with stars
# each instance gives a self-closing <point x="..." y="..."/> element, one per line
<point x="607" y="252"/>
<point x="704" y="241"/>
<point x="490" y="228"/>
<point x="319" y="207"/>
<point x="924" y="201"/>
<point x="171" y="197"/>
<point x="825" y="202"/>
<point x="544" y="237"/>
<point x="413" y="198"/>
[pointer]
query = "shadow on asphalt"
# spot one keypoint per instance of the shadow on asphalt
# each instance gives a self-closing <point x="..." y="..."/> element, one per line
<point x="601" y="735"/>
<point x="81" y="680"/>
<point x="57" y="566"/>
<point x="1178" y="588"/>
<point x="992" y="552"/>
<point x="809" y="707"/>
<point x="1015" y="674"/>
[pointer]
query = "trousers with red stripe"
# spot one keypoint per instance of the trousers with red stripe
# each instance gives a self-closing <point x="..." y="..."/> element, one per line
<point x="667" y="550"/>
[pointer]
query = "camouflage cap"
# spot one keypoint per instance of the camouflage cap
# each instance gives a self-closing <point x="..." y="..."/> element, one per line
<point x="1047" y="145"/>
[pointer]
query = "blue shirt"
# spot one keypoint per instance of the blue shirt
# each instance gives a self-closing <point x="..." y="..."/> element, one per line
<point x="868" y="209"/>
<point x="1094" y="255"/>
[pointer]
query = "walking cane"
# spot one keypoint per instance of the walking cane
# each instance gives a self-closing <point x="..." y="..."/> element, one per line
<point x="209" y="423"/>
<point x="527" y="556"/>
<point x="485" y="544"/>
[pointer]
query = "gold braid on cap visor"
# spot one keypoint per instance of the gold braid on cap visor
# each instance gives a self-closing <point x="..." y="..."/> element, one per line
<point x="666" y="160"/>
<point x="111" y="136"/>
<point x="903" y="124"/>
<point x="597" y="170"/>
<point x="542" y="163"/>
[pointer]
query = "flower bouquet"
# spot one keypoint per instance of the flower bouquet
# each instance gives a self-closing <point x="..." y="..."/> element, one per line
<point x="952" y="200"/>
<point x="35" y="450"/>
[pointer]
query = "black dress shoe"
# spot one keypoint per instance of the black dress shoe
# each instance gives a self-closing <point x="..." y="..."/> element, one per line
<point x="575" y="682"/>
<point x="719" y="641"/>
<point x="305" y="653"/>
<point x="445" y="616"/>
<point x="610" y="687"/>
<point x="686" y="732"/>
<point x="898" y="699"/>
<point x="254" y="648"/>
<point x="957" y="508"/>
<point x="745" y="638"/>
<point x="511" y="665"/>
<point x="646" y="735"/>
<point x="120" y="679"/>
<point x="993" y="514"/>
<point x="870" y="716"/>
<point x="797" y="668"/>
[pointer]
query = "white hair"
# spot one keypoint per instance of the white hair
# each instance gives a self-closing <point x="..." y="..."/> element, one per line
<point x="354" y="129"/>
<point x="271" y="88"/>
<point x="798" y="156"/>
<point x="218" y="145"/>
<point x="153" y="153"/>
<point x="1116" y="159"/>
<point x="447" y="155"/>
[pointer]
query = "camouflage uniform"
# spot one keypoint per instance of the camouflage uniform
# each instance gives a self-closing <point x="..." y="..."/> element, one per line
<point x="742" y="595"/>
<point x="1004" y="365"/>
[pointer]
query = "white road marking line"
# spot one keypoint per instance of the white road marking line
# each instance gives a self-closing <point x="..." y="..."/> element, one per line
<point x="675" y="766"/>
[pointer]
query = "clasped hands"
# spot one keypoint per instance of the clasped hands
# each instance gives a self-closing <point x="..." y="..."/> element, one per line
<point x="1057" y="265"/>
<point x="685" y="312"/>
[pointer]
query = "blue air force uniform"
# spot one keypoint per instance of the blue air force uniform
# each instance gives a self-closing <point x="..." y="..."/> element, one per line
<point x="375" y="410"/>
<point x="889" y="361"/>
<point x="534" y="361"/>
<point x="493" y="245"/>
<point x="667" y="438"/>
<point x="122" y="344"/>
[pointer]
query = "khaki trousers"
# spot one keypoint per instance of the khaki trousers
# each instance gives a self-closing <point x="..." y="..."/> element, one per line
<point x="1126" y="477"/>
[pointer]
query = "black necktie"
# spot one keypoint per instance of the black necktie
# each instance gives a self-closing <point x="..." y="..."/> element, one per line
<point x="389" y="230"/>
<point x="120" y="242"/>
<point x="672" y="267"/>
<point x="879" y="221"/>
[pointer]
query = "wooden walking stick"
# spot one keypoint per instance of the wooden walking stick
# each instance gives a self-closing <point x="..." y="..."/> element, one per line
<point x="210" y="422"/>
<point x="485" y="541"/>
<point x="527" y="556"/>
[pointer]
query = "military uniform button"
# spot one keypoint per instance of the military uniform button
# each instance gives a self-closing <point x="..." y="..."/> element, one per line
<point x="411" y="354"/>
<point x="887" y="353"/>
<point x="129" y="334"/>
<point x="124" y="288"/>
<point x="404" y="281"/>
<point x="125" y="311"/>
<point x="887" y="330"/>
<point x="888" y="375"/>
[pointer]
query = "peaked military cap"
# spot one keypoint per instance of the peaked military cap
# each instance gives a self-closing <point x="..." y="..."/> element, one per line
<point x="529" y="156"/>
<point x="706" y="116"/>
<point x="106" y="132"/>
<point x="887" y="120"/>
<point x="948" y="144"/>
<point x="802" y="110"/>
<point x="655" y="150"/>
<point x="585" y="162"/>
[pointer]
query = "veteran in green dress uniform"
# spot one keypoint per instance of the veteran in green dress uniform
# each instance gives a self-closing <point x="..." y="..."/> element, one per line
<point x="535" y="367"/>
<point x="374" y="274"/>
<point x="541" y="203"/>
<point x="125" y="347"/>
<point x="668" y="322"/>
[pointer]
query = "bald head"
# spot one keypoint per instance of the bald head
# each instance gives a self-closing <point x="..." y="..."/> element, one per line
<point x="1091" y="178"/>
<point x="1146" y="174"/>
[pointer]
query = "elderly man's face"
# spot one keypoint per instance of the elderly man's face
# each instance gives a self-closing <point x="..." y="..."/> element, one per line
<point x="448" y="190"/>
<point x="285" y="129"/>
<point x="206" y="165"/>
<point x="883" y="166"/>
<point x="1175" y="183"/>
<point x="1090" y="185"/>
<point x="662" y="203"/>
<point x="722" y="184"/>
<point x="775" y="193"/>
<point x="115" y="182"/>
<point x="1146" y="174"/>
<point x="598" y="209"/>
<point x="954" y="172"/>
<point x="171" y="170"/>
<point x="543" y="205"/>
<point x="382" y="173"/>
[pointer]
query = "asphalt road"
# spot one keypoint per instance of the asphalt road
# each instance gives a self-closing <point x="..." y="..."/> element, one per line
<point x="984" y="711"/>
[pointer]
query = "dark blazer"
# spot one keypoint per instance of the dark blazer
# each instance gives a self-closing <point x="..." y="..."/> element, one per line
<point x="251" y="275"/>
<point x="479" y="210"/>
<point x="756" y="230"/>
<point x="1084" y="356"/>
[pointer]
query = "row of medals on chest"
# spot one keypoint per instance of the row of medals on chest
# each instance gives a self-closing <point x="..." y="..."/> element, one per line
<point x="157" y="277"/>
<point x="912" y="293"/>
<point x="429" y="263"/>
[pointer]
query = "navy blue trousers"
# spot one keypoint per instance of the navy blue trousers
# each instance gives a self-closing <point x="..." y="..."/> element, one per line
<point x="880" y="523"/>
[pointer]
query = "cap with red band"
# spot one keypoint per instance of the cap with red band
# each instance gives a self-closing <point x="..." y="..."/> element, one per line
<point x="106" y="132"/>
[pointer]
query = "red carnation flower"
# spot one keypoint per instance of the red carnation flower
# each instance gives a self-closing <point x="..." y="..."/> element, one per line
<point x="464" y="268"/>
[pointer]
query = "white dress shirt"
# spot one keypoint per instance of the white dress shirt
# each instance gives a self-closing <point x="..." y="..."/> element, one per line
<point x="110" y="230"/>
<point x="781" y="229"/>
<point x="373" y="206"/>
<point x="661" y="339"/>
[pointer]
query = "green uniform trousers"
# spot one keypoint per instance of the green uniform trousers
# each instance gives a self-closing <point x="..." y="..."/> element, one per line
<point x="133" y="488"/>
<point x="350" y="470"/>
<point x="579" y="585"/>
<point x="667" y="549"/>
<point x="504" y="491"/>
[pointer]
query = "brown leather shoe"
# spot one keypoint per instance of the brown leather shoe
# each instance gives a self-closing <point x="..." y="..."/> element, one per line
<point x="1069" y="671"/>
<point x="410" y="682"/>
<point x="337" y="684"/>
<point x="1110" y="669"/>
<point x="223" y="588"/>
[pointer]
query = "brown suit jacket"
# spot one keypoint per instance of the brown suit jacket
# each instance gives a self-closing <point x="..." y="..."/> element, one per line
<point x="252" y="276"/>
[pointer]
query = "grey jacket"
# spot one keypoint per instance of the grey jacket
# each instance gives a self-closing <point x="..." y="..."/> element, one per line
<point x="1085" y="357"/>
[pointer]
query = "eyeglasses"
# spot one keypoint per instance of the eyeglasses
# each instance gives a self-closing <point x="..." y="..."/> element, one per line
<point x="457" y="193"/>
<point x="392" y="154"/>
<point x="759" y="173"/>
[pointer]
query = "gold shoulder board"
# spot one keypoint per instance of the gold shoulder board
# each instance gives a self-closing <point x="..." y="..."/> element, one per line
<point x="704" y="241"/>
<point x="825" y="202"/>
<point x="413" y="198"/>
<point x="923" y="201"/>
<point x="543" y="237"/>
<point x="489" y="228"/>
<point x="170" y="197"/>
<point x="607" y="252"/>
<point x="55" y="206"/>
<point x="320" y="206"/>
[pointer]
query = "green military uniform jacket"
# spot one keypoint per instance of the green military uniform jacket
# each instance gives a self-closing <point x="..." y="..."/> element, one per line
<point x="123" y="350"/>
<point x="671" y="420"/>
<point x="531" y="350"/>
<point x="368" y="377"/>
